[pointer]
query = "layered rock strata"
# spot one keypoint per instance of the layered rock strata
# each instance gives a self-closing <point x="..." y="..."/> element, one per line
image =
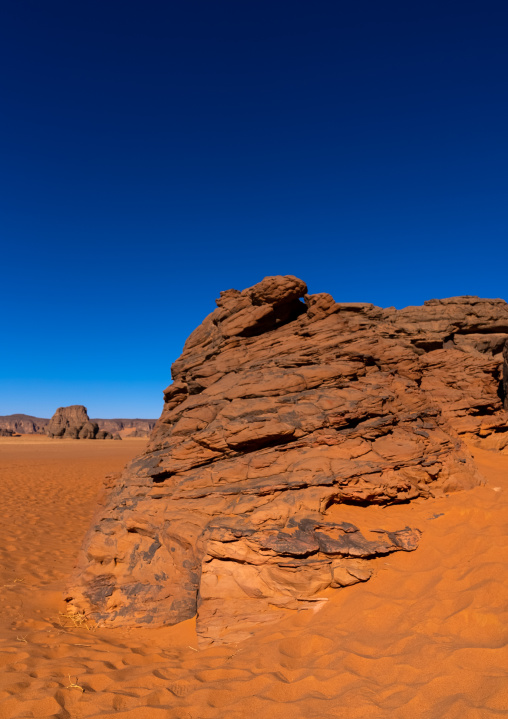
<point x="282" y="405"/>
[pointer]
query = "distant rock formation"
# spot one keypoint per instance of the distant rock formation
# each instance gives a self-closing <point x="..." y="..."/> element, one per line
<point x="138" y="433"/>
<point x="283" y="405"/>
<point x="8" y="433"/>
<point x="26" y="424"/>
<point x="140" y="427"/>
<point x="73" y="423"/>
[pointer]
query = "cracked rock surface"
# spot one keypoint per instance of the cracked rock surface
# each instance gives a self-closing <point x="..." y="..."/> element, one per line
<point x="282" y="405"/>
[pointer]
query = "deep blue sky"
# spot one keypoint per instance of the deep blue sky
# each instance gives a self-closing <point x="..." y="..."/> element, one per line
<point x="154" y="153"/>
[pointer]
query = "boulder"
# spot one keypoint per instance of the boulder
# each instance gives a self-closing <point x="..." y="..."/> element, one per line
<point x="88" y="431"/>
<point x="285" y="406"/>
<point x="71" y="432"/>
<point x="103" y="434"/>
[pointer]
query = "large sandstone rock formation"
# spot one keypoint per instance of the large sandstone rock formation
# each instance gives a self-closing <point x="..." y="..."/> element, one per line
<point x="282" y="405"/>
<point x="73" y="423"/>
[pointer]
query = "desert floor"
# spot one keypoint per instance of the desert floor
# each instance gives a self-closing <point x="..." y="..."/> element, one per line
<point x="425" y="638"/>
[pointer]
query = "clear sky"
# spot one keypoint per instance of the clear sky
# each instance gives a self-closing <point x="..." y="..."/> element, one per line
<point x="155" y="153"/>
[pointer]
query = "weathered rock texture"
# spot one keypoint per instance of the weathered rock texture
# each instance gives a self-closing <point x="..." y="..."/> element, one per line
<point x="282" y="405"/>
<point x="73" y="422"/>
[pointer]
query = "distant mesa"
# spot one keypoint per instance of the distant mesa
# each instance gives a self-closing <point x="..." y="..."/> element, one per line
<point x="128" y="427"/>
<point x="27" y="424"/>
<point x="23" y="424"/>
<point x="138" y="433"/>
<point x="284" y="408"/>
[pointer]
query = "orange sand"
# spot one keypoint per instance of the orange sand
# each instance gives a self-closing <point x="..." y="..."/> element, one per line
<point x="425" y="638"/>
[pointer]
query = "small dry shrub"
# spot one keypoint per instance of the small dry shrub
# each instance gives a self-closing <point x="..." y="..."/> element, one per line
<point x="71" y="620"/>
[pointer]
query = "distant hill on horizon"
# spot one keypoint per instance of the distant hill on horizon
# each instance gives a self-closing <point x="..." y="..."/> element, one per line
<point x="28" y="424"/>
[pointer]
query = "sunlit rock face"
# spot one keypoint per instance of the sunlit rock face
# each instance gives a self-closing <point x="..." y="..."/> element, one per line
<point x="284" y="405"/>
<point x="73" y="423"/>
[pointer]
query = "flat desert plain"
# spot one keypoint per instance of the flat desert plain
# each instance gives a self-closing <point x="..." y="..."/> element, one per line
<point x="425" y="638"/>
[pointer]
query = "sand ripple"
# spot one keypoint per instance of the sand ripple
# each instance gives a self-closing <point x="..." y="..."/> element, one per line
<point x="425" y="638"/>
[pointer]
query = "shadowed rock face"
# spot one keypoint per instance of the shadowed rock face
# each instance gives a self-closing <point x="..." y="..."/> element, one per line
<point x="282" y="405"/>
<point x="73" y="423"/>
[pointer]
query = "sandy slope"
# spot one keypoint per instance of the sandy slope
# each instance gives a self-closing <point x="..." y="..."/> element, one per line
<point x="425" y="637"/>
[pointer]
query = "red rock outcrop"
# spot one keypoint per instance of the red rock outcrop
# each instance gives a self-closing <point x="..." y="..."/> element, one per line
<point x="282" y="405"/>
<point x="73" y="423"/>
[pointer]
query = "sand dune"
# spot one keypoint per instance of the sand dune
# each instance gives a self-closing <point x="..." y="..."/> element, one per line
<point x="425" y="637"/>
